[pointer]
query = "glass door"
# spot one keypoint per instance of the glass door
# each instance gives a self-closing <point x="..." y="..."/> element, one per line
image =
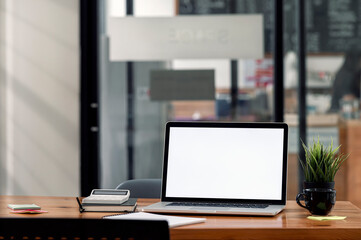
<point x="178" y="61"/>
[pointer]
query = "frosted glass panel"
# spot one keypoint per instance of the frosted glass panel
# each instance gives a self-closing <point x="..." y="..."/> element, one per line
<point x="237" y="36"/>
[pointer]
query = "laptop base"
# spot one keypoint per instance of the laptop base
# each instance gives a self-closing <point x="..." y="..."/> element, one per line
<point x="161" y="207"/>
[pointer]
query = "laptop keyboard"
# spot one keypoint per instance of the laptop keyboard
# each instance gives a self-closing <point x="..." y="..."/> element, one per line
<point x="228" y="205"/>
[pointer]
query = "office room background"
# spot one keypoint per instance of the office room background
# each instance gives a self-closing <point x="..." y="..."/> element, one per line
<point x="84" y="90"/>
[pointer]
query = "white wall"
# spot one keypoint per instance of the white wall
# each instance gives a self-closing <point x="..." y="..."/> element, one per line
<point x="39" y="103"/>
<point x="2" y="98"/>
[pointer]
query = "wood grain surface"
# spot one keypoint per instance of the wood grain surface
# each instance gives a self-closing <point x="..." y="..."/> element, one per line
<point x="292" y="223"/>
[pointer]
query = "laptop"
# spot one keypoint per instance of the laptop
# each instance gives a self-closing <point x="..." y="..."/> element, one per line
<point x="224" y="168"/>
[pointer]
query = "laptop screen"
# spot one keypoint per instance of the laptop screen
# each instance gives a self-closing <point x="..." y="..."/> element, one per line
<point x="225" y="161"/>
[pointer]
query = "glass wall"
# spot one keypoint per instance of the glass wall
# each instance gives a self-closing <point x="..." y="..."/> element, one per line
<point x="184" y="60"/>
<point x="333" y="31"/>
<point x="178" y="60"/>
<point x="333" y="37"/>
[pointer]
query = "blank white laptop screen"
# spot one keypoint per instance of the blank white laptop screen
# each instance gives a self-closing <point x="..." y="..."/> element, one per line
<point x="225" y="163"/>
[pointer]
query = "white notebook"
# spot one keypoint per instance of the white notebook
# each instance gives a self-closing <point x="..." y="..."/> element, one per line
<point x="173" y="221"/>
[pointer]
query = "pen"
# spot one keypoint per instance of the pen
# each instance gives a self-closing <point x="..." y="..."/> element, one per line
<point x="81" y="209"/>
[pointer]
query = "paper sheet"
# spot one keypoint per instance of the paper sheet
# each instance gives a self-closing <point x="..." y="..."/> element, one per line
<point x="173" y="221"/>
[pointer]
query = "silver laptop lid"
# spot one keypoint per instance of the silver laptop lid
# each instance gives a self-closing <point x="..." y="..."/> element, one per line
<point x="225" y="162"/>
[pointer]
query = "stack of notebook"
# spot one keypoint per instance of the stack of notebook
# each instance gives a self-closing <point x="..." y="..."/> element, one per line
<point x="25" y="208"/>
<point x="128" y="206"/>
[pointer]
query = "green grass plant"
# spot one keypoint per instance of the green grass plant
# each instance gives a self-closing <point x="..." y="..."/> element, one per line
<point x="321" y="163"/>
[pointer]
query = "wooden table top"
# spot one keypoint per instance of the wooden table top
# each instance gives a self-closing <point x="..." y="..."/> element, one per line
<point x="292" y="223"/>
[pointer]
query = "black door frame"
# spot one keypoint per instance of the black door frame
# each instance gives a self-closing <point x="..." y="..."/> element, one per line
<point x="89" y="114"/>
<point x="278" y="62"/>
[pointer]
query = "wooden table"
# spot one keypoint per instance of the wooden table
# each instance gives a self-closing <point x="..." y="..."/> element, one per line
<point x="290" y="224"/>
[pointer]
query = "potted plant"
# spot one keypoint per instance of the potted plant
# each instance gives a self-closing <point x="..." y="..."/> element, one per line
<point x="320" y="167"/>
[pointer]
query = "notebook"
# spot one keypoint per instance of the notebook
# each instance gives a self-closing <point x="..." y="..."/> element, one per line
<point x="128" y="206"/>
<point x="224" y="168"/>
<point x="173" y="221"/>
<point x="24" y="206"/>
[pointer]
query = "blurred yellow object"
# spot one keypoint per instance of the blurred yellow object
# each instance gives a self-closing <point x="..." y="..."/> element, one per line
<point x="325" y="218"/>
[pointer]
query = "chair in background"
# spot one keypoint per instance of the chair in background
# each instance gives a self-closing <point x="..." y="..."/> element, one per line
<point x="142" y="188"/>
<point x="61" y="228"/>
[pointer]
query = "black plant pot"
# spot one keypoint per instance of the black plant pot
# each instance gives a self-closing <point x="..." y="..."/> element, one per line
<point x="328" y="185"/>
<point x="319" y="197"/>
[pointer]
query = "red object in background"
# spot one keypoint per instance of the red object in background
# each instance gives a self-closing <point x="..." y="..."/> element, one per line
<point x="263" y="74"/>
